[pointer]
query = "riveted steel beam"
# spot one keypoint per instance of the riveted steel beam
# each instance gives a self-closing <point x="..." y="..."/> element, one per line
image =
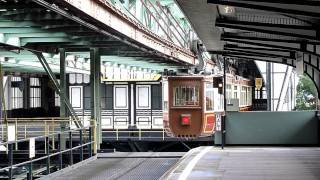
<point x="131" y="33"/>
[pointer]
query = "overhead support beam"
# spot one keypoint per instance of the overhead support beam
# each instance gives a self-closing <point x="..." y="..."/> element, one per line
<point x="260" y="49"/>
<point x="308" y="48"/>
<point x="264" y="42"/>
<point x="284" y="7"/>
<point x="289" y="62"/>
<point x="95" y="83"/>
<point x="131" y="34"/>
<point x="261" y="53"/>
<point x="283" y="39"/>
<point x="276" y="29"/>
<point x="295" y="2"/>
<point x="10" y="30"/>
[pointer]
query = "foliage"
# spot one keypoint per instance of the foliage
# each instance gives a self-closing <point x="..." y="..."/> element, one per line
<point x="306" y="94"/>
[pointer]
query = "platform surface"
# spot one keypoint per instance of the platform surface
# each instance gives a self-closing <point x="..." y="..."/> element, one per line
<point x="210" y="163"/>
<point x="122" y="166"/>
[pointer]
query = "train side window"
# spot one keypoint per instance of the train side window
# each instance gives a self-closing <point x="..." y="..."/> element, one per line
<point x="186" y="96"/>
<point x="235" y="93"/>
<point x="165" y="95"/>
<point x="209" y="97"/>
<point x="228" y="91"/>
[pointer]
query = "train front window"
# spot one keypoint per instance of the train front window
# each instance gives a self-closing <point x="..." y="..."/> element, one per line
<point x="186" y="96"/>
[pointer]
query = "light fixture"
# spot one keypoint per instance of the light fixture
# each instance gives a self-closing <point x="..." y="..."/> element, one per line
<point x="228" y="10"/>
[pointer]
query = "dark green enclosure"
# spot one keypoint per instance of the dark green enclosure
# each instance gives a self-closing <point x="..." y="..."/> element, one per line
<point x="271" y="128"/>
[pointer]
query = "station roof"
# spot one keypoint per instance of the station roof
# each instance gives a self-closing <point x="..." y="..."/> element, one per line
<point x="269" y="30"/>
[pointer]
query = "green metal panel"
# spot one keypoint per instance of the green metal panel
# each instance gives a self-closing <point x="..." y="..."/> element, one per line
<point x="95" y="83"/>
<point x="280" y="128"/>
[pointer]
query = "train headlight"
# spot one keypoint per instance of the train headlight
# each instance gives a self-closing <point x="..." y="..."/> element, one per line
<point x="185" y="119"/>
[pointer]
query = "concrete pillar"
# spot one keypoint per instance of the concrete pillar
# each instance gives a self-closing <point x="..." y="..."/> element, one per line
<point x="95" y="84"/>
<point x="63" y="90"/>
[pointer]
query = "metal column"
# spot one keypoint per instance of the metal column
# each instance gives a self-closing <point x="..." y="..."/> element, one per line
<point x="95" y="84"/>
<point x="63" y="92"/>
<point x="268" y="86"/>
<point x="223" y="119"/>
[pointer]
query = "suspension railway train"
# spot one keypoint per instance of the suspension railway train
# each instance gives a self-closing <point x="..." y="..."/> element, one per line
<point x="185" y="106"/>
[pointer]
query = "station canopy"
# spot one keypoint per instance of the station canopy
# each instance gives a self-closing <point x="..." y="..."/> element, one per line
<point x="269" y="30"/>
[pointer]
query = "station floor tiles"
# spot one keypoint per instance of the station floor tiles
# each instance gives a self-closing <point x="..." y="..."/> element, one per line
<point x="235" y="163"/>
<point x="122" y="166"/>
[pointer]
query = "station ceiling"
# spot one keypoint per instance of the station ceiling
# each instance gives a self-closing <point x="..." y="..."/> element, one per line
<point x="269" y="30"/>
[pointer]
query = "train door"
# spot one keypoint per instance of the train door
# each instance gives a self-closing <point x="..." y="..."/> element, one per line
<point x="148" y="106"/>
<point x="107" y="106"/>
<point x="156" y="106"/>
<point x="143" y="106"/>
<point x="121" y="106"/>
<point x="209" y="116"/>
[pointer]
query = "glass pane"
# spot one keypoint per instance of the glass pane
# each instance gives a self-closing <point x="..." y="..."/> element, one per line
<point x="79" y="78"/>
<point x="121" y="97"/>
<point x="209" y="97"/>
<point x="72" y="78"/>
<point x="75" y="95"/>
<point x="86" y="78"/>
<point x="186" y="96"/>
<point x="143" y="97"/>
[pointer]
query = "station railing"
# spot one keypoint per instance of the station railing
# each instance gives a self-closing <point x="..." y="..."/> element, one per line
<point x="135" y="133"/>
<point x="79" y="143"/>
<point x="34" y="127"/>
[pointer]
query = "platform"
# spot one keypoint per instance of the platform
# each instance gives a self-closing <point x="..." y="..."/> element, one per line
<point x="247" y="163"/>
<point x="121" y="165"/>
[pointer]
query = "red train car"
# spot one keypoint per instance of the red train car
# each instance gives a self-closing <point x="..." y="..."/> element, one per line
<point x="190" y="105"/>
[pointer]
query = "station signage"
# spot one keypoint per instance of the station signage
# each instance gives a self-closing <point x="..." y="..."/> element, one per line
<point x="258" y="83"/>
<point x="11" y="132"/>
<point x="32" y="148"/>
<point x="218" y="122"/>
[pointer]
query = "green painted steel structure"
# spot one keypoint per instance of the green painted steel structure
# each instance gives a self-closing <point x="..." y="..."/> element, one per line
<point x="41" y="29"/>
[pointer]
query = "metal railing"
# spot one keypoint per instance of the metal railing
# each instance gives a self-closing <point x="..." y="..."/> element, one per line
<point x="33" y="127"/>
<point x="139" y="133"/>
<point x="85" y="137"/>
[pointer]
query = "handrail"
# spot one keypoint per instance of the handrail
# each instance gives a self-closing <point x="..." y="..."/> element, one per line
<point x="37" y="118"/>
<point x="44" y="136"/>
<point x="50" y="155"/>
<point x="139" y="131"/>
<point x="91" y="141"/>
<point x="46" y="128"/>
